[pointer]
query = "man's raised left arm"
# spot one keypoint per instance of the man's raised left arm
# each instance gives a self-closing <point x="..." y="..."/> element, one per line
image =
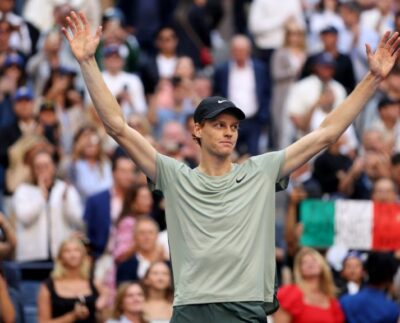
<point x="380" y="64"/>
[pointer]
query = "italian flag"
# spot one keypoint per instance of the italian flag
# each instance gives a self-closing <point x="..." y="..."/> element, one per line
<point x="356" y="224"/>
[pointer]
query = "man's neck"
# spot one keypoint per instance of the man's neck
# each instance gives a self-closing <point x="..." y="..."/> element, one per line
<point x="214" y="166"/>
<point x="167" y="55"/>
<point x="389" y="123"/>
<point x="333" y="51"/>
<point x="241" y="64"/>
<point x="113" y="72"/>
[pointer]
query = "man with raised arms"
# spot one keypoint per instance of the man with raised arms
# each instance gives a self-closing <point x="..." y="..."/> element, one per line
<point x="220" y="215"/>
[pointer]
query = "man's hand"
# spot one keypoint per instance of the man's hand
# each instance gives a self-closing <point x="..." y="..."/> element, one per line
<point x="382" y="61"/>
<point x="83" y="43"/>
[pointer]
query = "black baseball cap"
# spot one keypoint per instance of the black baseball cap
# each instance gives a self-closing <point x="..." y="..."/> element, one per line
<point x="47" y="106"/>
<point x="212" y="106"/>
<point x="329" y="30"/>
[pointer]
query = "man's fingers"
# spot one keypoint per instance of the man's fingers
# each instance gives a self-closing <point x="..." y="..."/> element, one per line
<point x="395" y="46"/>
<point x="71" y="25"/>
<point x="384" y="39"/>
<point x="393" y="38"/>
<point x="99" y="31"/>
<point x="84" y="20"/>
<point x="396" y="53"/>
<point x="66" y="34"/>
<point x="368" y="49"/>
<point x="77" y="21"/>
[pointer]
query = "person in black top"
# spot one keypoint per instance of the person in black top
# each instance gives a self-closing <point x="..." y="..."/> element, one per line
<point x="70" y="294"/>
<point x="344" y="71"/>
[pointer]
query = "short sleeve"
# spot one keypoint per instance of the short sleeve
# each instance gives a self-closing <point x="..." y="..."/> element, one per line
<point x="167" y="169"/>
<point x="272" y="163"/>
<point x="291" y="299"/>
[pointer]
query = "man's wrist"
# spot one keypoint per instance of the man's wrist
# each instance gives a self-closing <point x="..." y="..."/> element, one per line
<point x="87" y="61"/>
<point x="374" y="77"/>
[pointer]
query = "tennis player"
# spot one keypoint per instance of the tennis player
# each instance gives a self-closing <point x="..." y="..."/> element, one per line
<point x="220" y="215"/>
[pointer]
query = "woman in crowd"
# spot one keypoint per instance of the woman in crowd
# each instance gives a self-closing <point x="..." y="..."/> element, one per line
<point x="47" y="211"/>
<point x="312" y="297"/>
<point x="129" y="304"/>
<point x="287" y="63"/>
<point x="138" y="201"/>
<point x="90" y="169"/>
<point x="158" y="292"/>
<point x="70" y="295"/>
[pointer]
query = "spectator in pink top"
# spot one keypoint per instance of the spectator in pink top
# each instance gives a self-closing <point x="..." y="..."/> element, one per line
<point x="138" y="201"/>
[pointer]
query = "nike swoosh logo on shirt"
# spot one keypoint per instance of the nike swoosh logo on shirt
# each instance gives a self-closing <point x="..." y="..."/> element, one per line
<point x="222" y="101"/>
<point x="238" y="180"/>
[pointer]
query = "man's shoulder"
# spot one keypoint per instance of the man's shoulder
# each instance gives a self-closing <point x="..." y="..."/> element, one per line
<point x="258" y="64"/>
<point x="10" y="128"/>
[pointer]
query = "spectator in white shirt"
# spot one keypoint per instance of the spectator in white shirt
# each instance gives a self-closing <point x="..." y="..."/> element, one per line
<point x="267" y="22"/>
<point x="126" y="87"/>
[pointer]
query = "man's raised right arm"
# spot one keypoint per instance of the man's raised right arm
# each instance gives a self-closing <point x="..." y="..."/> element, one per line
<point x="83" y="45"/>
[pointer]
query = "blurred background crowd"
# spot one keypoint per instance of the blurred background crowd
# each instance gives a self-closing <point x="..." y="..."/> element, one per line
<point x="83" y="239"/>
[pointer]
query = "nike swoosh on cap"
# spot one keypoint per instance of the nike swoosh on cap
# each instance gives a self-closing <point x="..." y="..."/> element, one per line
<point x="222" y="101"/>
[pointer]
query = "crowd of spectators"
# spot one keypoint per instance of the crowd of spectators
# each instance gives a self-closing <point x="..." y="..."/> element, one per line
<point x="70" y="196"/>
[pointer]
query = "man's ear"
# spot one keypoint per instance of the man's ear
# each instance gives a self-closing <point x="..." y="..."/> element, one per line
<point x="197" y="130"/>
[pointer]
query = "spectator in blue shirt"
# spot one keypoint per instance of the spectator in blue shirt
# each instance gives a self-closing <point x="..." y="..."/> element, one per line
<point x="371" y="303"/>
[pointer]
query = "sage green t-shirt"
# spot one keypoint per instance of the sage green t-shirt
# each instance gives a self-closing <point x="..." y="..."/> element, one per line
<point x="221" y="229"/>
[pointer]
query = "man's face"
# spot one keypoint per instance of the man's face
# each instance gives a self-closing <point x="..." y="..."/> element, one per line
<point x="390" y="112"/>
<point x="167" y="41"/>
<point x="219" y="135"/>
<point x="6" y="5"/>
<point x="113" y="63"/>
<point x="353" y="270"/>
<point x="324" y="72"/>
<point x="123" y="173"/>
<point x="240" y="51"/>
<point x="384" y="191"/>
<point x="24" y="109"/>
<point x="329" y="40"/>
<point x="146" y="234"/>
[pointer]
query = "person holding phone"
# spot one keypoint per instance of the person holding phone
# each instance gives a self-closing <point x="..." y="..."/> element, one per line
<point x="70" y="295"/>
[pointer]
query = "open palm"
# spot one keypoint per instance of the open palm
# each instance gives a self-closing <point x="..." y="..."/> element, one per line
<point x="83" y="43"/>
<point x="382" y="61"/>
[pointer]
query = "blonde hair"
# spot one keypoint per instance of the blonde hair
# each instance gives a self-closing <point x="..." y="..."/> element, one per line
<point x="59" y="270"/>
<point x="119" y="299"/>
<point x="325" y="280"/>
<point x="294" y="28"/>
<point x="80" y="141"/>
